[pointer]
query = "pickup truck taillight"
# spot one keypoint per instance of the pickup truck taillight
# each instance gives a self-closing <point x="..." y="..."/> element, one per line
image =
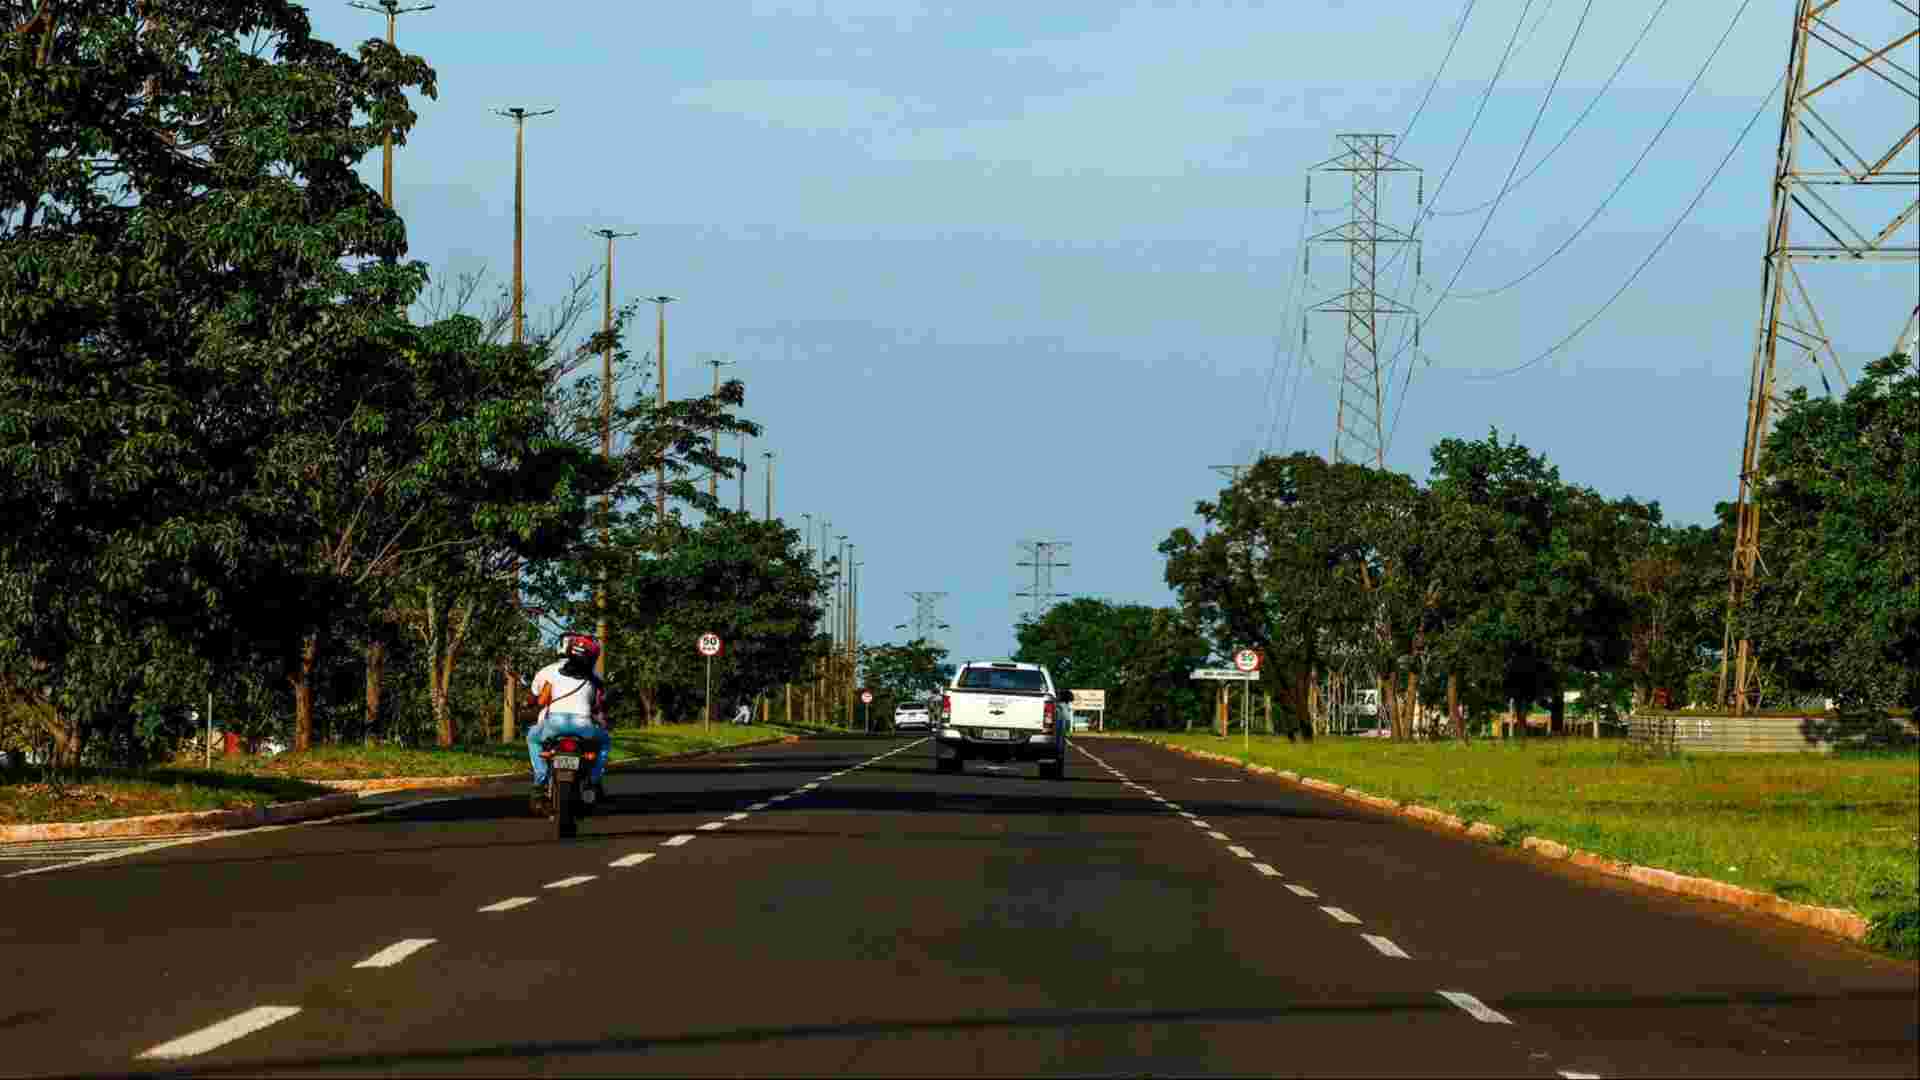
<point x="1046" y="718"/>
<point x="946" y="705"/>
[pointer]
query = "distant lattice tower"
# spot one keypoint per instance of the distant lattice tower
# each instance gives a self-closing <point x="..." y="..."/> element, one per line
<point x="1846" y="191"/>
<point x="1358" y="434"/>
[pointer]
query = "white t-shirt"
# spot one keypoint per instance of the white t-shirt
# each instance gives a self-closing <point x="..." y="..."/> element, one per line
<point x="570" y="695"/>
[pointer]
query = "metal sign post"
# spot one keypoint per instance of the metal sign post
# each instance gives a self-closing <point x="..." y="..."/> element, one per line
<point x="709" y="648"/>
<point x="866" y="711"/>
<point x="1247" y="662"/>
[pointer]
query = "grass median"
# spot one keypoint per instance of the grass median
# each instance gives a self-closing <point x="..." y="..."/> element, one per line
<point x="1836" y="830"/>
<point x="27" y="798"/>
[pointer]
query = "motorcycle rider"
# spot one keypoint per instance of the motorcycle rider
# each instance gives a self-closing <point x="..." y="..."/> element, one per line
<point x="573" y="701"/>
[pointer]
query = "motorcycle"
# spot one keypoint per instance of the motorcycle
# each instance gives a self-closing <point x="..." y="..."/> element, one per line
<point x="571" y="794"/>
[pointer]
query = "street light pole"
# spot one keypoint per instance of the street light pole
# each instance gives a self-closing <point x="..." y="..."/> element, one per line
<point x="768" y="454"/>
<point x="393" y="11"/>
<point x="660" y="474"/>
<point x="606" y="441"/>
<point x="713" y="478"/>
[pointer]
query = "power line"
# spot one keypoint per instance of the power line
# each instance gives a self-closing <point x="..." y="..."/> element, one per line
<point x="1571" y="128"/>
<point x="1648" y="149"/>
<point x="1675" y="227"/>
<point x="1459" y="27"/>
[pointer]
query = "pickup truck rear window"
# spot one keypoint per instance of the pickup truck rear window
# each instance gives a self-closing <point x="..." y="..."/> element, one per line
<point x="985" y="678"/>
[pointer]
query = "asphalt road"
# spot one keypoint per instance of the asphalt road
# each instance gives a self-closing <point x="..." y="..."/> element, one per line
<point x="835" y="905"/>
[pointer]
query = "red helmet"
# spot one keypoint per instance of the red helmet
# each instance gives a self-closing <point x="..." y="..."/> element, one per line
<point x="581" y="645"/>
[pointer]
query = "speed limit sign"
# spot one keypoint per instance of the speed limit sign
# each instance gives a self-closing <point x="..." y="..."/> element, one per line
<point x="709" y="644"/>
<point x="1246" y="660"/>
<point x="866" y="697"/>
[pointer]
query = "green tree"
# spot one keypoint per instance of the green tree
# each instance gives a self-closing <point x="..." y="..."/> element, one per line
<point x="908" y="671"/>
<point x="1837" y="607"/>
<point x="189" y="264"/>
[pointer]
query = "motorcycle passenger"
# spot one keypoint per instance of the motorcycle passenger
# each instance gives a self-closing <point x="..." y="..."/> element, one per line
<point x="573" y="701"/>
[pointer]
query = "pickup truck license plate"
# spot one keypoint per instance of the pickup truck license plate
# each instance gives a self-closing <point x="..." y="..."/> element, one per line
<point x="996" y="733"/>
<point x="566" y="761"/>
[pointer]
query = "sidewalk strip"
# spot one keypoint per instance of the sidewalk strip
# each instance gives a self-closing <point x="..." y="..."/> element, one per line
<point x="222" y="1033"/>
<point x="1474" y="1007"/>
<point x="395" y="952"/>
<point x="509" y="904"/>
<point x="1387" y="948"/>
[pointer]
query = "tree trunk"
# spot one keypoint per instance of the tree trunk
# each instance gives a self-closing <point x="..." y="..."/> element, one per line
<point x="376" y="674"/>
<point x="1454" y="715"/>
<point x="440" y="681"/>
<point x="1220" y="713"/>
<point x="1557" y="709"/>
<point x="302" y="680"/>
<point x="1413" y="703"/>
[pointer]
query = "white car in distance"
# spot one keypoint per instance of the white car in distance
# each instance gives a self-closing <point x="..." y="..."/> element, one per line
<point x="912" y="716"/>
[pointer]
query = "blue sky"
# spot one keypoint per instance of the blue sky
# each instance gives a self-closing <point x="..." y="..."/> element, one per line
<point x="999" y="271"/>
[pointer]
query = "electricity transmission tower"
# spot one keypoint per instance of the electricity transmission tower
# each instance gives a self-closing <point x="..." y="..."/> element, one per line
<point x="1358" y="434"/>
<point x="925" y="622"/>
<point x="1041" y="552"/>
<point x="1849" y="152"/>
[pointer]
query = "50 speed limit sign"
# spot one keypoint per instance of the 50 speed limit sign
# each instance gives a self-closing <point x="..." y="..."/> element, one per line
<point x="709" y="644"/>
<point x="1246" y="660"/>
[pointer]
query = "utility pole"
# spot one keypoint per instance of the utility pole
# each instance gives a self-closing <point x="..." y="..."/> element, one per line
<point x="853" y="633"/>
<point x="1043" y="564"/>
<point x="519" y="117"/>
<point x="743" y="473"/>
<point x="768" y="454"/>
<point x="606" y="439"/>
<point x="1824" y="197"/>
<point x="713" y="478"/>
<point x="392" y="9"/>
<point x="660" y="474"/>
<point x="1358" y="434"/>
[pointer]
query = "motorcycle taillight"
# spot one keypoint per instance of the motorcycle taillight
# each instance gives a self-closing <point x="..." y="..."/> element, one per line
<point x="569" y="745"/>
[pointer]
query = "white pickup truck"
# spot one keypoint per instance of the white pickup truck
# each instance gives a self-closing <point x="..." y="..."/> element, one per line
<point x="1000" y="710"/>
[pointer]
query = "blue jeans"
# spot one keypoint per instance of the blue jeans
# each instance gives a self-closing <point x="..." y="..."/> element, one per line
<point x="568" y="724"/>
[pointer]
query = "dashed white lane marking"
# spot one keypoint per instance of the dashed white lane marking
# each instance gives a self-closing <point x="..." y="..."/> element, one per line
<point x="779" y="798"/>
<point x="1198" y="824"/>
<point x="633" y="860"/>
<point x="1189" y="815"/>
<point x="396" y="952"/>
<point x="1266" y="870"/>
<point x="1341" y="915"/>
<point x="1571" y="1075"/>
<point x="1218" y="835"/>
<point x="1387" y="948"/>
<point x="742" y="816"/>
<point x="1474" y="1007"/>
<point x="712" y="825"/>
<point x="676" y="841"/>
<point x="568" y="882"/>
<point x="808" y="787"/>
<point x="217" y="1035"/>
<point x="509" y="904"/>
<point x="1302" y="890"/>
<point x="1175" y="807"/>
<point x="1240" y="851"/>
<point x="758" y="806"/>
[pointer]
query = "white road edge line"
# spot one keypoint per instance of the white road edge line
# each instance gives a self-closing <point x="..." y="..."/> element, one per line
<point x="740" y="816"/>
<point x="1474" y="1007"/>
<point x="1387" y="948"/>
<point x="676" y="841"/>
<point x="509" y="904"/>
<point x="1198" y="824"/>
<point x="217" y="1035"/>
<point x="1341" y="915"/>
<point x="633" y="860"/>
<point x="396" y="952"/>
<point x="1266" y="870"/>
<point x="568" y="882"/>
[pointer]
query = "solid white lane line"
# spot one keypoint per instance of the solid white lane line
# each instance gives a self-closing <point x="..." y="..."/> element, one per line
<point x="1474" y="1007"/>
<point x="1340" y="915"/>
<point x="676" y="841"/>
<point x="633" y="860"/>
<point x="712" y="825"/>
<point x="737" y="817"/>
<point x="1387" y="948"/>
<point x="1302" y="890"/>
<point x="758" y="806"/>
<point x="1240" y="851"/>
<point x="395" y="952"/>
<point x="217" y="1035"/>
<point x="509" y="904"/>
<point x="1266" y="870"/>
<point x="1218" y="835"/>
<point x="568" y="882"/>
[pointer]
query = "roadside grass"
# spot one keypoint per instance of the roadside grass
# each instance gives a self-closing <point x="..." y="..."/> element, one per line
<point x="1835" y="830"/>
<point x="478" y="759"/>
<point x="96" y="794"/>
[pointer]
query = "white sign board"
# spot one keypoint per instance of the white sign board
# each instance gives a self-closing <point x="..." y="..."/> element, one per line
<point x="1225" y="675"/>
<point x="1089" y="700"/>
<point x="709" y="644"/>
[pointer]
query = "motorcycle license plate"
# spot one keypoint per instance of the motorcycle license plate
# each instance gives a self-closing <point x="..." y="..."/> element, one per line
<point x="566" y="761"/>
<point x="1001" y="734"/>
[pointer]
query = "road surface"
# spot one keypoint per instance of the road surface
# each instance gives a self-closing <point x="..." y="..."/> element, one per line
<point x="835" y="905"/>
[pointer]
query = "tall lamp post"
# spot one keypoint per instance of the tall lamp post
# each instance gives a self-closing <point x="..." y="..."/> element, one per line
<point x="660" y="474"/>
